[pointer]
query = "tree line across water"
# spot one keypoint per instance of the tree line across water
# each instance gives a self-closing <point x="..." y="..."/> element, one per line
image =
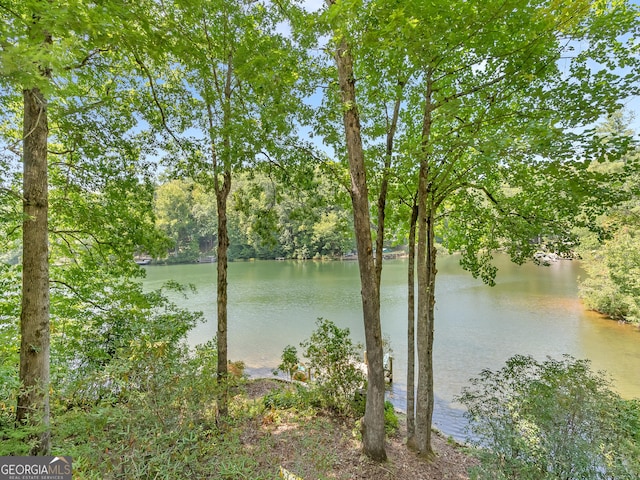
<point x="268" y="221"/>
<point x="469" y="124"/>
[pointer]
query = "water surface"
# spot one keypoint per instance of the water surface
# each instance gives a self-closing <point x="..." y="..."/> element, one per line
<point x="531" y="310"/>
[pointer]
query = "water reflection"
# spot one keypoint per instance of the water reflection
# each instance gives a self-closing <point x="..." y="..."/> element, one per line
<point x="532" y="310"/>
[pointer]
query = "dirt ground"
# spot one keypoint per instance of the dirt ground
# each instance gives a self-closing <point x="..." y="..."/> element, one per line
<point x="323" y="447"/>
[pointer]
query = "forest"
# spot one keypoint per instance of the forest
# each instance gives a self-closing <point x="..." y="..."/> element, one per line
<point x="268" y="223"/>
<point x="236" y="129"/>
<point x="265" y="222"/>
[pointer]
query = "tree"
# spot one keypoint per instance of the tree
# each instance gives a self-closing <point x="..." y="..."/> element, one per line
<point x="186" y="212"/>
<point x="373" y="433"/>
<point x="265" y="220"/>
<point x="613" y="287"/>
<point x="29" y="33"/>
<point x="610" y="252"/>
<point x="204" y="215"/>
<point x="488" y="126"/>
<point x="48" y="53"/>
<point x="496" y="153"/>
<point x="313" y="217"/>
<point x="214" y="77"/>
<point x="33" y="403"/>
<point x="173" y="205"/>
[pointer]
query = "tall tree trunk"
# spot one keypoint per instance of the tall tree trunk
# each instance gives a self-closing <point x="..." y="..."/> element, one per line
<point x="426" y="283"/>
<point x="411" y="336"/>
<point x="222" y="194"/>
<point x="426" y="303"/>
<point x="33" y="401"/>
<point x="373" y="434"/>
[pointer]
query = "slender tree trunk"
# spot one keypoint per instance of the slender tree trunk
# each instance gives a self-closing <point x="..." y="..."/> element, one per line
<point x="426" y="303"/>
<point x="382" y="205"/>
<point x="222" y="194"/>
<point x="373" y="434"/>
<point x="384" y="188"/>
<point x="411" y="337"/>
<point x="33" y="401"/>
<point x="426" y="284"/>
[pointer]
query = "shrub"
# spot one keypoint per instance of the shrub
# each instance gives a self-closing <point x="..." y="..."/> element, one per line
<point x="333" y="359"/>
<point x="390" y="418"/>
<point x="289" y="362"/>
<point x="298" y="396"/>
<point x="162" y="423"/>
<point x="551" y="420"/>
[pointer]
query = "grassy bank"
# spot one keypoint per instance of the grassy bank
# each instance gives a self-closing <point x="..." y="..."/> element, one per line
<point x="181" y="441"/>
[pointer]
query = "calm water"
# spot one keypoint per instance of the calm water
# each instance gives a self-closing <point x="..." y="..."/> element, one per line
<point x="532" y="310"/>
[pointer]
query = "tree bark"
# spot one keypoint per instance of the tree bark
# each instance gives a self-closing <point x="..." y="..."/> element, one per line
<point x="222" y="195"/>
<point x="411" y="337"/>
<point x="426" y="302"/>
<point x="33" y="400"/>
<point x="373" y="434"/>
<point x="426" y="283"/>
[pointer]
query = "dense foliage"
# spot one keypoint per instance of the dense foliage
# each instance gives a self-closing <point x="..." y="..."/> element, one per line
<point x="265" y="219"/>
<point x="333" y="361"/>
<point x="484" y="133"/>
<point x="112" y="356"/>
<point x="333" y="375"/>
<point x="613" y="269"/>
<point x="611" y="253"/>
<point x="554" y="419"/>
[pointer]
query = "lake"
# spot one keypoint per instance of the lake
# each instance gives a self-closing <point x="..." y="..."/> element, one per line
<point x="531" y="310"/>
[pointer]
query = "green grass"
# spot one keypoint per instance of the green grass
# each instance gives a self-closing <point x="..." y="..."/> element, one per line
<point x="169" y="437"/>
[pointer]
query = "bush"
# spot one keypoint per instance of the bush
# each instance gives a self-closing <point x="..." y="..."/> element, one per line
<point x="390" y="418"/>
<point x="333" y="359"/>
<point x="551" y="420"/>
<point x="161" y="424"/>
<point x="289" y="362"/>
<point x="296" y="396"/>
